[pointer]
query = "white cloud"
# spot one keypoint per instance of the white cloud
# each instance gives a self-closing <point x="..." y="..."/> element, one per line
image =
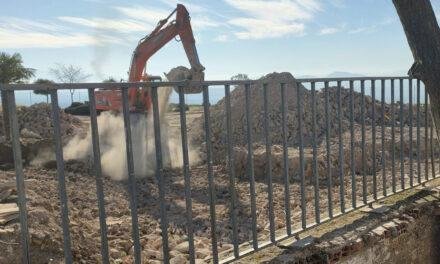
<point x="222" y="38"/>
<point x="275" y="10"/>
<point x="127" y="25"/>
<point x="272" y="18"/>
<point x="373" y="27"/>
<point x="15" y="39"/>
<point x="338" y="3"/>
<point x="259" y="28"/>
<point x="329" y="30"/>
<point x="149" y="15"/>
<point x="192" y="8"/>
<point x="152" y="16"/>
<point x="21" y="33"/>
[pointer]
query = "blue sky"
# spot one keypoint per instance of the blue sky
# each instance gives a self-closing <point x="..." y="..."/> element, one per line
<point x="304" y="37"/>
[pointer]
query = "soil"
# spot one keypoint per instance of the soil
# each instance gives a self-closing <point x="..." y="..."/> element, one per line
<point x="46" y="238"/>
<point x="44" y="210"/>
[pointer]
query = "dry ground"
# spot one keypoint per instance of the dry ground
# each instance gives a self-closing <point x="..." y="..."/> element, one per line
<point x="44" y="211"/>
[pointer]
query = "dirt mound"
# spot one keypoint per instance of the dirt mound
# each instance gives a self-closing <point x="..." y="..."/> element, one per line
<point x="36" y="131"/>
<point x="273" y="80"/>
<point x="37" y="119"/>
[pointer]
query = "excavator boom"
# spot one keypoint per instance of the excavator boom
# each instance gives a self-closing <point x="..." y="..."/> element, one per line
<point x="139" y="99"/>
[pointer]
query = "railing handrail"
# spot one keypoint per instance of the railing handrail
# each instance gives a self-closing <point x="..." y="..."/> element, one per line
<point x="125" y="85"/>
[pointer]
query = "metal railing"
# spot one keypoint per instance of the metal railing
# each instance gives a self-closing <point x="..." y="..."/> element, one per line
<point x="327" y="183"/>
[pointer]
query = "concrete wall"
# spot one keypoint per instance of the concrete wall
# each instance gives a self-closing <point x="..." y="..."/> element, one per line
<point x="420" y="244"/>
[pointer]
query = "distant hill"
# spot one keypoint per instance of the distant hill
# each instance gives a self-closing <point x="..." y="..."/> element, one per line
<point x="339" y="74"/>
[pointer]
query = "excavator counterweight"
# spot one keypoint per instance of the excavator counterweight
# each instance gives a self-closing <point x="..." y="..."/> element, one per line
<point x="139" y="98"/>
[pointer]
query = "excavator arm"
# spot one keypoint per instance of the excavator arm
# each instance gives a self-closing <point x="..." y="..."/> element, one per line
<point x="139" y="99"/>
<point x="148" y="46"/>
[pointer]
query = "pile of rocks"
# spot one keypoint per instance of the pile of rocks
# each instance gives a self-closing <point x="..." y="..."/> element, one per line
<point x="260" y="157"/>
<point x="37" y="119"/>
<point x="36" y="131"/>
<point x="273" y="80"/>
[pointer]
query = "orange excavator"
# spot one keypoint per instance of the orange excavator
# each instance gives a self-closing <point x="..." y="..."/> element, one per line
<point x="139" y="98"/>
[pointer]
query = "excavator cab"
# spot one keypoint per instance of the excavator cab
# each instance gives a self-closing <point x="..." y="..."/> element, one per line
<point x="139" y="98"/>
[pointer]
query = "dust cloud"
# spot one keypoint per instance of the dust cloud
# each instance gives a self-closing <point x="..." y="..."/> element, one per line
<point x="113" y="148"/>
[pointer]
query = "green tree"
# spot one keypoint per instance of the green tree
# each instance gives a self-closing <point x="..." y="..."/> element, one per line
<point x="240" y="77"/>
<point x="109" y="80"/>
<point x="45" y="92"/>
<point x="11" y="71"/>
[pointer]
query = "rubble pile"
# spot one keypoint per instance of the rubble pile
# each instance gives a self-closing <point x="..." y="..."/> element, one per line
<point x="36" y="131"/>
<point x="260" y="157"/>
<point x="36" y="121"/>
<point x="273" y="80"/>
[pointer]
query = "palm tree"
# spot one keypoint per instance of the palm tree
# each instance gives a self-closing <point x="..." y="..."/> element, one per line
<point x="11" y="71"/>
<point x="44" y="92"/>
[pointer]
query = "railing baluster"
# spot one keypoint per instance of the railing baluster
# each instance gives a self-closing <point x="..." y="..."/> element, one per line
<point x="56" y="123"/>
<point x="159" y="175"/>
<point x="401" y="121"/>
<point x="411" y="168"/>
<point x="186" y="175"/>
<point x="268" y="165"/>
<point x="98" y="175"/>
<point x="211" y="184"/>
<point x="341" y="151"/>
<point x="393" y="137"/>
<point x="285" y="159"/>
<point x="364" y="158"/>
<point x="419" y="173"/>
<point x="250" y="165"/>
<point x="233" y="209"/>
<point x="352" y="166"/>
<point x="301" y="155"/>
<point x="405" y="120"/>
<point x="315" y="155"/>
<point x="131" y="178"/>
<point x="19" y="177"/>
<point x="431" y="141"/>
<point x="328" y="151"/>
<point x="373" y="136"/>
<point x="426" y="135"/>
<point x="383" y="160"/>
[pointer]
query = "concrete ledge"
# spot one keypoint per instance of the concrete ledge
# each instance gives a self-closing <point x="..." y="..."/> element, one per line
<point x="410" y="218"/>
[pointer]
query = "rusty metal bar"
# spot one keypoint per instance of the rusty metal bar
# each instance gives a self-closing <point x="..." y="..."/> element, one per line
<point x="250" y="166"/>
<point x="382" y="156"/>
<point x="426" y="135"/>
<point x="393" y="138"/>
<point x="268" y="164"/>
<point x="364" y="158"/>
<point x="131" y="179"/>
<point x="401" y="121"/>
<point x="211" y="184"/>
<point x="315" y="155"/>
<point x="328" y="150"/>
<point x="98" y="176"/>
<point x="285" y="159"/>
<point x="186" y="175"/>
<point x="301" y="155"/>
<point x="19" y="177"/>
<point x="410" y="116"/>
<point x="61" y="177"/>
<point x="419" y="173"/>
<point x="233" y="207"/>
<point x="352" y="166"/>
<point x="341" y="152"/>
<point x="373" y="135"/>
